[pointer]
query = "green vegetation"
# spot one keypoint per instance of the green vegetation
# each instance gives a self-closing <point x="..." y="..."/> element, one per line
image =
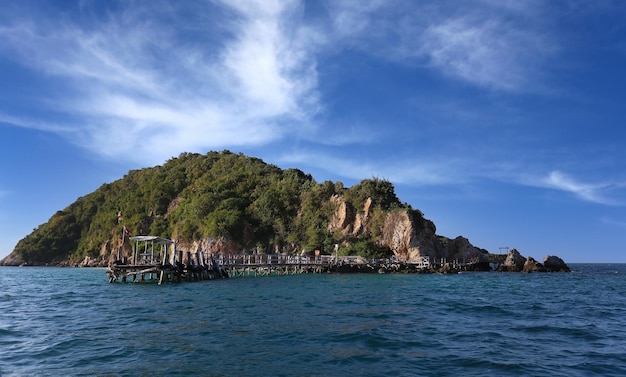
<point x="220" y="194"/>
<point x="366" y="248"/>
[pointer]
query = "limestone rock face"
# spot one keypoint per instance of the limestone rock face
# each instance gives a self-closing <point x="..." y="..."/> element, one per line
<point x="409" y="240"/>
<point x="514" y="262"/>
<point x="552" y="263"/>
<point x="344" y="217"/>
<point x="361" y="221"/>
<point x="347" y="221"/>
<point x="531" y="265"/>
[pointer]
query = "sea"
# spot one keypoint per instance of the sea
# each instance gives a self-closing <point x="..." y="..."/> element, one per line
<point x="72" y="322"/>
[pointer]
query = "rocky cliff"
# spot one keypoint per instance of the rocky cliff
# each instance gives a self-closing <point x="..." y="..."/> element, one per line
<point x="406" y="233"/>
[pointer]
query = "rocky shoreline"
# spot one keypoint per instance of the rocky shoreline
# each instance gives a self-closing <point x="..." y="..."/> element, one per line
<point x="513" y="263"/>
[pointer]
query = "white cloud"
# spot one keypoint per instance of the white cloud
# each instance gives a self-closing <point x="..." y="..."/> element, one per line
<point x="560" y="181"/>
<point x="411" y="172"/>
<point x="491" y="45"/>
<point x="34" y="124"/>
<point x="131" y="81"/>
<point x="352" y="18"/>
<point x="485" y="53"/>
<point x="613" y="222"/>
<point x="138" y="91"/>
<point x="133" y="88"/>
<point x="591" y="192"/>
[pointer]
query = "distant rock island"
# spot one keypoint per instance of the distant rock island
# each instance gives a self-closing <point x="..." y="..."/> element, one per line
<point x="227" y="203"/>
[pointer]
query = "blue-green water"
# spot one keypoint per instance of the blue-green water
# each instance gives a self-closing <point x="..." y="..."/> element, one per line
<point x="71" y="322"/>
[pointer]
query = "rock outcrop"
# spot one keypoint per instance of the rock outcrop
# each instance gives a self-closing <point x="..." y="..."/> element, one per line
<point x="553" y="263"/>
<point x="93" y="262"/>
<point x="344" y="217"/>
<point x="12" y="260"/>
<point x="347" y="221"/>
<point x="409" y="238"/>
<point x="531" y="265"/>
<point x="361" y="221"/>
<point x="461" y="249"/>
<point x="514" y="262"/>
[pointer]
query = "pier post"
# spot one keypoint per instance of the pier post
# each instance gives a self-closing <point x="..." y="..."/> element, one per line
<point x="189" y="266"/>
<point x="161" y="277"/>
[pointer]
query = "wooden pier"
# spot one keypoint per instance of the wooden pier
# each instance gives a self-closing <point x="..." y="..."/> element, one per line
<point x="156" y="259"/>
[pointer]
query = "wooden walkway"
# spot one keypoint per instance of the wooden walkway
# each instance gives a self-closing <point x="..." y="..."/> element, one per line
<point x="202" y="266"/>
<point x="199" y="266"/>
<point x="156" y="259"/>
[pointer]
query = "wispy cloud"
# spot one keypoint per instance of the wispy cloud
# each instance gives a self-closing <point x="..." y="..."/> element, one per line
<point x="613" y="222"/>
<point x="244" y="73"/>
<point x="483" y="52"/>
<point x="438" y="170"/>
<point x="147" y="100"/>
<point x="148" y="89"/>
<point x="489" y="44"/>
<point x="412" y="172"/>
<point x="591" y="192"/>
<point x="34" y="124"/>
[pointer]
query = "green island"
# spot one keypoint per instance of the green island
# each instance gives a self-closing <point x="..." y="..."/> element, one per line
<point x="230" y="203"/>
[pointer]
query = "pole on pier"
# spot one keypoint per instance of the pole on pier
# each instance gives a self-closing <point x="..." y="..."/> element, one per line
<point x="164" y="254"/>
<point x="135" y="251"/>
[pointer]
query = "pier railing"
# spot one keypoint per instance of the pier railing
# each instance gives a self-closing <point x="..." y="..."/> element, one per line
<point x="241" y="260"/>
<point x="242" y="265"/>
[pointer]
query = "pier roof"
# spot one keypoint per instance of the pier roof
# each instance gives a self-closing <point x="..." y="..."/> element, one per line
<point x="151" y="238"/>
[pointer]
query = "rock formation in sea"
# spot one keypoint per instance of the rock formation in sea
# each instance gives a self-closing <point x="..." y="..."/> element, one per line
<point x="531" y="265"/>
<point x="552" y="263"/>
<point x="514" y="262"/>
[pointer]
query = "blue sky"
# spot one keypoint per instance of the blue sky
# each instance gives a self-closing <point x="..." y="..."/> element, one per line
<point x="503" y="121"/>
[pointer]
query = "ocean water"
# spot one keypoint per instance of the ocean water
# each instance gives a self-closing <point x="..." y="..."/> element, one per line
<point x="71" y="322"/>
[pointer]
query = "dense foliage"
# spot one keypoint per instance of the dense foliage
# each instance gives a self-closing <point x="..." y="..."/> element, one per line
<point x="220" y="194"/>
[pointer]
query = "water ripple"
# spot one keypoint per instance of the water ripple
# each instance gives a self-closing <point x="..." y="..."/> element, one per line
<point x="58" y="322"/>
